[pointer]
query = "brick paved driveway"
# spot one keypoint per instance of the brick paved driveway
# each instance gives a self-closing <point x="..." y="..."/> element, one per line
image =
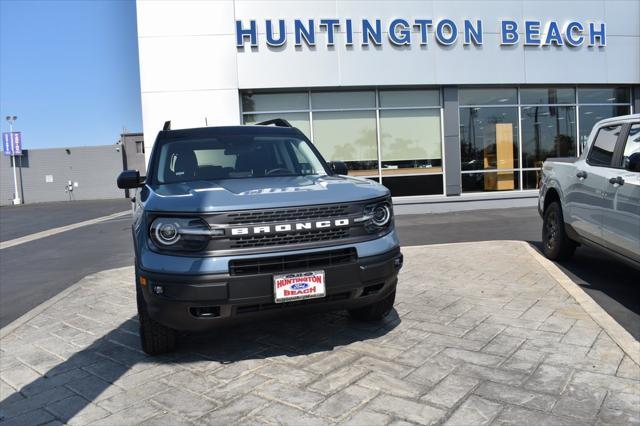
<point x="481" y="335"/>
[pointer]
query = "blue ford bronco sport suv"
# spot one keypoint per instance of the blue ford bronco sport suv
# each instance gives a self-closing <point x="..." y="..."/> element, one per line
<point x="245" y="221"/>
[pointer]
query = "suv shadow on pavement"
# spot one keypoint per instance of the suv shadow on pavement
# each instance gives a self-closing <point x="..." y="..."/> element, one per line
<point x="611" y="283"/>
<point x="71" y="386"/>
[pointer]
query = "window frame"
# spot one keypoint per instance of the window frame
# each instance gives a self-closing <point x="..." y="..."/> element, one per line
<point x="617" y="148"/>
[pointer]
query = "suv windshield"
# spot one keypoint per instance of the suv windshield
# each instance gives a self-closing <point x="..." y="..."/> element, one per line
<point x="236" y="157"/>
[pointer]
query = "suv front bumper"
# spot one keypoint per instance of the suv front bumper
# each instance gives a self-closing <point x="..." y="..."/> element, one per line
<point x="202" y="302"/>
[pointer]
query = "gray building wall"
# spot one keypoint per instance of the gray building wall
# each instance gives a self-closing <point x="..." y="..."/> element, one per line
<point x="134" y="151"/>
<point x="94" y="169"/>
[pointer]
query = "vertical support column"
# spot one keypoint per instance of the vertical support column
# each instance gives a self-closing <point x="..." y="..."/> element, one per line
<point x="636" y="99"/>
<point x="451" y="131"/>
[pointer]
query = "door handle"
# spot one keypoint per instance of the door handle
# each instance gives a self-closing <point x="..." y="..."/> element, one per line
<point x="616" y="181"/>
<point x="581" y="174"/>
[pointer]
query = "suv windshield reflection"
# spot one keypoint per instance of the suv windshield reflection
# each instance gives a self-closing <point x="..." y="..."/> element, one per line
<point x="235" y="158"/>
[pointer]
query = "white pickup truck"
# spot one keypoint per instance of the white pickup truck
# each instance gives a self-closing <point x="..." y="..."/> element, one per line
<point x="595" y="199"/>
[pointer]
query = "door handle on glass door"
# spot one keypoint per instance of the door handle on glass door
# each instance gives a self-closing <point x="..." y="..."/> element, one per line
<point x="581" y="175"/>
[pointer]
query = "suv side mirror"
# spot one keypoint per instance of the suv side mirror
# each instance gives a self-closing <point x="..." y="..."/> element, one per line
<point x="633" y="162"/>
<point x="130" y="179"/>
<point x="339" y="167"/>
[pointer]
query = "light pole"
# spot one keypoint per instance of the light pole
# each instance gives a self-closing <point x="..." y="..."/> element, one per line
<point x="16" y="199"/>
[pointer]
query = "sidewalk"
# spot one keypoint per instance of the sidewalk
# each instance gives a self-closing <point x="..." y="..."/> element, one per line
<point x="483" y="333"/>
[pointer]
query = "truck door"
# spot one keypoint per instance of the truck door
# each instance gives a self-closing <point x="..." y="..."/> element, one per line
<point x="621" y="225"/>
<point x="586" y="196"/>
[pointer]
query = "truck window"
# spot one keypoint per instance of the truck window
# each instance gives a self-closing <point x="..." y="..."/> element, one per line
<point x="603" y="146"/>
<point x="632" y="145"/>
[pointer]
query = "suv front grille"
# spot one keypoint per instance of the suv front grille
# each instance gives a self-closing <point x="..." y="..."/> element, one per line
<point x="283" y="239"/>
<point x="278" y="264"/>
<point x="284" y="215"/>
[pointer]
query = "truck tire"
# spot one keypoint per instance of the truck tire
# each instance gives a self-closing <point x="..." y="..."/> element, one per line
<point x="555" y="242"/>
<point x="376" y="311"/>
<point x="155" y="338"/>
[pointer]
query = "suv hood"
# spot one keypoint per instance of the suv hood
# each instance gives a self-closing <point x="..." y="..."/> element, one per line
<point x="258" y="193"/>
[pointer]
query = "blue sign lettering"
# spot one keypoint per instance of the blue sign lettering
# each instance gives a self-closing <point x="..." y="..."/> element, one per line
<point x="473" y="34"/>
<point x="446" y="32"/>
<point x="371" y="33"/>
<point x="242" y="34"/>
<point x="553" y="34"/>
<point x="308" y="33"/>
<point x="509" y="32"/>
<point x="399" y="32"/>
<point x="570" y="31"/>
<point x="531" y="33"/>
<point x="599" y="35"/>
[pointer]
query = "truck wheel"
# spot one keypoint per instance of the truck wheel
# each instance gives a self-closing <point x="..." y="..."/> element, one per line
<point x="155" y="338"/>
<point x="376" y="311"/>
<point x="555" y="242"/>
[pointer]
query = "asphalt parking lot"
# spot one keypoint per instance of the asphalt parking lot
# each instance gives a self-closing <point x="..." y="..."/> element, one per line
<point x="36" y="271"/>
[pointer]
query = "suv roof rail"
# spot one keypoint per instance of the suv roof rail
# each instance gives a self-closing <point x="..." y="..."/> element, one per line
<point x="279" y="122"/>
<point x="167" y="125"/>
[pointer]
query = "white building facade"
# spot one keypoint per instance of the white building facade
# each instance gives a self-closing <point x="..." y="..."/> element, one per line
<point x="432" y="98"/>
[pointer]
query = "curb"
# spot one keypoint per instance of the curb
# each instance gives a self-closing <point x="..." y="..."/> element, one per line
<point x="622" y="337"/>
<point x="12" y="326"/>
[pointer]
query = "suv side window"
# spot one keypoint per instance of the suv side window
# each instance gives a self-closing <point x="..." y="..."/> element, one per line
<point x="604" y="144"/>
<point x="632" y="145"/>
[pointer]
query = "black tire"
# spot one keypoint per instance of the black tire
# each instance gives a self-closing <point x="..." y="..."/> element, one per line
<point x="555" y="242"/>
<point x="155" y="338"/>
<point x="376" y="311"/>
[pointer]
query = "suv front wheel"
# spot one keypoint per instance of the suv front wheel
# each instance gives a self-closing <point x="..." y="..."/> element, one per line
<point x="155" y="338"/>
<point x="555" y="242"/>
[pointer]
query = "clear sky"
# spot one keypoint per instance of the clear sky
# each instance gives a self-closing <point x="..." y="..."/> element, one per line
<point x="69" y="71"/>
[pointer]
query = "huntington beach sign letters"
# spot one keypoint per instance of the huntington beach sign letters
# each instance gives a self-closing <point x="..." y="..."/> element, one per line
<point x="407" y="32"/>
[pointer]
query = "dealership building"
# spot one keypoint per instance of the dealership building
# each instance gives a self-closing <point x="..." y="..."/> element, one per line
<point x="435" y="99"/>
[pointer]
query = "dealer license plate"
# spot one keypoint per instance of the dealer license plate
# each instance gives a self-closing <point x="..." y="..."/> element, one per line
<point x="298" y="286"/>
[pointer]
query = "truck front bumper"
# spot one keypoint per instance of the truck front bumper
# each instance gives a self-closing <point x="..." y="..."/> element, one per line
<point x="201" y="302"/>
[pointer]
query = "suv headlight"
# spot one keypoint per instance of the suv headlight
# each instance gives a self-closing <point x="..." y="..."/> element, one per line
<point x="377" y="217"/>
<point x="178" y="233"/>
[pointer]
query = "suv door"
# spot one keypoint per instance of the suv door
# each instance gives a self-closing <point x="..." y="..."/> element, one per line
<point x="586" y="196"/>
<point x="621" y="226"/>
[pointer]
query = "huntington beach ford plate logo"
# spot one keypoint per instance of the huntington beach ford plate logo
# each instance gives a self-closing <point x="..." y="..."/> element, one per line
<point x="298" y="286"/>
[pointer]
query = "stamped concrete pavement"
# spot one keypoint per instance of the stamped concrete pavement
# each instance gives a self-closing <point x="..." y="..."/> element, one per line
<point x="481" y="334"/>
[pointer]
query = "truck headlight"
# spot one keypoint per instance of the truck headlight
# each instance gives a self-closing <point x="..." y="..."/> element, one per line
<point x="178" y="233"/>
<point x="377" y="216"/>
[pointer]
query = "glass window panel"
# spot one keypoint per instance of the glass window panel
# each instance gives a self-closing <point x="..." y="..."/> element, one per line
<point x="632" y="146"/>
<point x="343" y="100"/>
<point x="490" y="181"/>
<point x="297" y="119"/>
<point x="348" y="136"/>
<point x="489" y="138"/>
<point x="604" y="144"/>
<point x="274" y="102"/>
<point x="496" y="96"/>
<point x="402" y="186"/>
<point x="603" y="95"/>
<point x="531" y="179"/>
<point x="590" y="115"/>
<point x="409" y="98"/>
<point x="547" y="131"/>
<point x="410" y="141"/>
<point x="548" y="95"/>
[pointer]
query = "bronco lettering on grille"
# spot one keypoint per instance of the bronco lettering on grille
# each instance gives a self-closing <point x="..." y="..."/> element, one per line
<point x="289" y="227"/>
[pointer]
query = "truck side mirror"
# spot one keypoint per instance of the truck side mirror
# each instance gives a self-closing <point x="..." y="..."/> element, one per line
<point x="339" y="167"/>
<point x="130" y="179"/>
<point x="633" y="162"/>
